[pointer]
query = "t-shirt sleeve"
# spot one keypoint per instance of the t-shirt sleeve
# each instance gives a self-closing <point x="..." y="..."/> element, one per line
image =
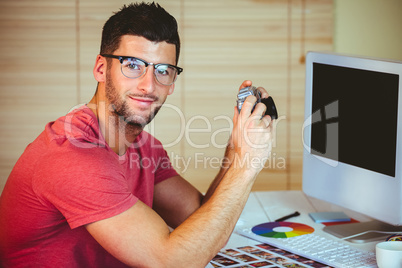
<point x="164" y="168"/>
<point x="84" y="187"/>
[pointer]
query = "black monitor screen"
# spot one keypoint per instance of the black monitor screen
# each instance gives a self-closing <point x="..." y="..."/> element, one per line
<point x="355" y="117"/>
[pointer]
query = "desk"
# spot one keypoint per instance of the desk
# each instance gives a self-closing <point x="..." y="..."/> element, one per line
<point x="268" y="206"/>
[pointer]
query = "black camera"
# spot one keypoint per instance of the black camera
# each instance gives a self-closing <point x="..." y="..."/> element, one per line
<point x="269" y="102"/>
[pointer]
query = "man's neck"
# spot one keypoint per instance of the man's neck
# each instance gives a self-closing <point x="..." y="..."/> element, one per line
<point x="118" y="134"/>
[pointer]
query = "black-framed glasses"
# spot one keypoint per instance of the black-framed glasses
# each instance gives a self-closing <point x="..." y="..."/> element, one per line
<point x="133" y="67"/>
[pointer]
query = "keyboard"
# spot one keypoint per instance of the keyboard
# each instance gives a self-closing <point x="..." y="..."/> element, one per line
<point x="319" y="248"/>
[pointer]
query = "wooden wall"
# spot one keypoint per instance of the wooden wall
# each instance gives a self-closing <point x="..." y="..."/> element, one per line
<point x="380" y="37"/>
<point x="48" y="48"/>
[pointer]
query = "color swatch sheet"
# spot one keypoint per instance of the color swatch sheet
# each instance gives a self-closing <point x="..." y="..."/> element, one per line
<point x="262" y="255"/>
<point x="282" y="229"/>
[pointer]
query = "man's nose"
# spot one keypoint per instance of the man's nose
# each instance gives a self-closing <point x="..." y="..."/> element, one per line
<point x="147" y="80"/>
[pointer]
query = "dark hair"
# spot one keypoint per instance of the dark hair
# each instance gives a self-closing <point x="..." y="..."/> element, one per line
<point x="148" y="20"/>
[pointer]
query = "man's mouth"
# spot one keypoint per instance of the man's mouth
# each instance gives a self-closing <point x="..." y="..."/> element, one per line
<point x="143" y="101"/>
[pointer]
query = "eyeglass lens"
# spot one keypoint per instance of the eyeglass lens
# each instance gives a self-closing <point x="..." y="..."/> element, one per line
<point x="134" y="68"/>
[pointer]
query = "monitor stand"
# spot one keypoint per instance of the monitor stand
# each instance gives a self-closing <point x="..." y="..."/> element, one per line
<point x="349" y="229"/>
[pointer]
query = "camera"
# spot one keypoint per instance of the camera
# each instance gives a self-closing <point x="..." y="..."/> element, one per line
<point x="269" y="102"/>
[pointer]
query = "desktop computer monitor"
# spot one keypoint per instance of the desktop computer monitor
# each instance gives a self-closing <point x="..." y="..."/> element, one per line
<point x="352" y="136"/>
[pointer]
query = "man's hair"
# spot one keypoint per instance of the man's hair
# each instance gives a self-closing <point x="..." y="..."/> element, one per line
<point x="148" y="20"/>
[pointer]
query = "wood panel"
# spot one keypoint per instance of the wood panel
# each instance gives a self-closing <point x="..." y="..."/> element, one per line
<point x="37" y="71"/>
<point x="227" y="42"/>
<point x="48" y="49"/>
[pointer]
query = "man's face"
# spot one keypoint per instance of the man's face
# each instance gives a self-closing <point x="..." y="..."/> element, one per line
<point x="138" y="100"/>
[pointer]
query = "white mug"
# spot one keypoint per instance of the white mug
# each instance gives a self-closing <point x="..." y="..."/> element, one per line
<point x="389" y="254"/>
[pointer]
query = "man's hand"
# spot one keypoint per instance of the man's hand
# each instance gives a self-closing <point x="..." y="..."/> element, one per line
<point x="250" y="142"/>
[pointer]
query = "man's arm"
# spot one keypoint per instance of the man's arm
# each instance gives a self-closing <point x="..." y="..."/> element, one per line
<point x="230" y="149"/>
<point x="175" y="199"/>
<point x="169" y="195"/>
<point x="140" y="237"/>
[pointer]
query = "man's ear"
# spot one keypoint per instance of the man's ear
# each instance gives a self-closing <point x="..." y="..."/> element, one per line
<point x="171" y="89"/>
<point x="100" y="69"/>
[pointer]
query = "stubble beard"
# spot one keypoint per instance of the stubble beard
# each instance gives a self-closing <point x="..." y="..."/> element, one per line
<point x="120" y="108"/>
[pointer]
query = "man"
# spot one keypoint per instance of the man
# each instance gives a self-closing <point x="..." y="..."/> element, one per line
<point x="76" y="198"/>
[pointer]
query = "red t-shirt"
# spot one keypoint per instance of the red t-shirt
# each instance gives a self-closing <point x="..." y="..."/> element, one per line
<point x="69" y="177"/>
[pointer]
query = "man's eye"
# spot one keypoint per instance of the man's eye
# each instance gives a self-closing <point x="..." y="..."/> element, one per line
<point x="133" y="64"/>
<point x="164" y="70"/>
